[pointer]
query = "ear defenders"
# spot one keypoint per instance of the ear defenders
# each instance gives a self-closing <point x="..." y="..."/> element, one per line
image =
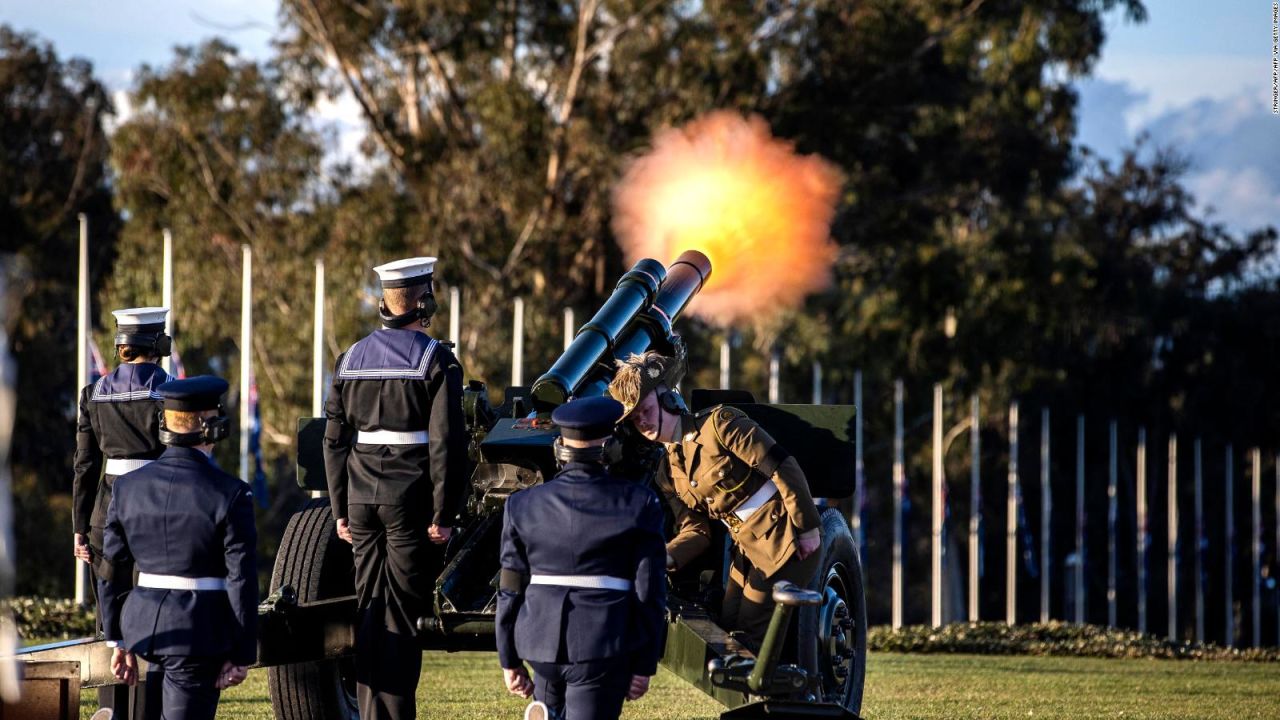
<point x="160" y="344"/>
<point x="607" y="454"/>
<point x="673" y="402"/>
<point x="423" y="311"/>
<point x="212" y="429"/>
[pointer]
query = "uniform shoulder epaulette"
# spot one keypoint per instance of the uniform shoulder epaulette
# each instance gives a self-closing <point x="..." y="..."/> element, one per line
<point x="722" y="417"/>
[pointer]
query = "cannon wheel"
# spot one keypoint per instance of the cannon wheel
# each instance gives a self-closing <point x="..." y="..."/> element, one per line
<point x="837" y="652"/>
<point x="318" y="565"/>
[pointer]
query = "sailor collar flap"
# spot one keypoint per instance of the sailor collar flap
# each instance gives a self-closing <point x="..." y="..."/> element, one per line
<point x="130" y="381"/>
<point x="389" y="353"/>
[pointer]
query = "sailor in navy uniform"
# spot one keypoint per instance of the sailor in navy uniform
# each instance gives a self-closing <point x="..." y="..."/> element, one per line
<point x="189" y="528"/>
<point x="116" y="432"/>
<point x="582" y="590"/>
<point x="395" y="454"/>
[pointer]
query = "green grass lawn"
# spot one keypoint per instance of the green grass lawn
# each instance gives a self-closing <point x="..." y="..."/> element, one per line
<point x="467" y="686"/>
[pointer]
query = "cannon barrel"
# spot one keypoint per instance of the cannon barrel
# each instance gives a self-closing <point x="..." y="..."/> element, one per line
<point x="638" y="316"/>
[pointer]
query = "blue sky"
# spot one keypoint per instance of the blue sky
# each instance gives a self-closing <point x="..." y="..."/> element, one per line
<point x="1196" y="77"/>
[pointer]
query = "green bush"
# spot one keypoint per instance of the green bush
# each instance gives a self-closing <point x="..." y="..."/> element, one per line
<point x="45" y="619"/>
<point x="1055" y="638"/>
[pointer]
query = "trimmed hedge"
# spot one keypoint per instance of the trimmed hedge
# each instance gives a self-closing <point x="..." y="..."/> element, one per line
<point x="47" y="619"/>
<point x="1055" y="638"/>
<point x="55" y="619"/>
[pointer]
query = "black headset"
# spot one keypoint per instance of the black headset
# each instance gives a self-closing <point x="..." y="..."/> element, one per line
<point x="607" y="454"/>
<point x="673" y="402"/>
<point x="160" y="344"/>
<point x="422" y="312"/>
<point x="212" y="429"/>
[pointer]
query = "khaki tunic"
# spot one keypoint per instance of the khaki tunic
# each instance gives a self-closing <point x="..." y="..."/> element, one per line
<point x="722" y="459"/>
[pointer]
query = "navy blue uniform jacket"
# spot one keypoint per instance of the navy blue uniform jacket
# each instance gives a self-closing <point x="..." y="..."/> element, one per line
<point x="400" y="380"/>
<point x="183" y="516"/>
<point x="584" y="522"/>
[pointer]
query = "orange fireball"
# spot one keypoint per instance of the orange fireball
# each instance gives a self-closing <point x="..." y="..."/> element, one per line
<point x="760" y="211"/>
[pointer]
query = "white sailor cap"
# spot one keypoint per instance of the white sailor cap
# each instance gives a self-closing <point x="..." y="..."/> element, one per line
<point x="407" y="272"/>
<point x="145" y="317"/>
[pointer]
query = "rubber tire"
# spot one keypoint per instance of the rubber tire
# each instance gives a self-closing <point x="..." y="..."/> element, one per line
<point x="840" y="553"/>
<point x="318" y="565"/>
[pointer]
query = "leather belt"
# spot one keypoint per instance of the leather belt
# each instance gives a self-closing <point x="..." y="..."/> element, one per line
<point x="120" y="466"/>
<point x="751" y="504"/>
<point x="590" y="582"/>
<point x="177" y="582"/>
<point x="392" y="437"/>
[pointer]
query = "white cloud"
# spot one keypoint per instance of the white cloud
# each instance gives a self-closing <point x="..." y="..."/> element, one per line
<point x="1246" y="199"/>
<point x="1171" y="81"/>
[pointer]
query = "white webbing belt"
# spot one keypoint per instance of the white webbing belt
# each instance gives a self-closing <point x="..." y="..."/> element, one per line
<point x="118" y="466"/>
<point x="758" y="498"/>
<point x="590" y="582"/>
<point x="392" y="437"/>
<point x="177" y="582"/>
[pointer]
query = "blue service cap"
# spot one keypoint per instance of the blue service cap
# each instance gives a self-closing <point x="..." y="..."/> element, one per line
<point x="202" y="392"/>
<point x="589" y="418"/>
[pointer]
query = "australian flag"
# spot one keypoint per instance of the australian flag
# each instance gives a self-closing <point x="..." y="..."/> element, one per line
<point x="255" y="443"/>
<point x="97" y="366"/>
<point x="175" y="365"/>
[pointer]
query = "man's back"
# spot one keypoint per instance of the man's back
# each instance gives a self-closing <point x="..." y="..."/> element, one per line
<point x="181" y="517"/>
<point x="585" y="523"/>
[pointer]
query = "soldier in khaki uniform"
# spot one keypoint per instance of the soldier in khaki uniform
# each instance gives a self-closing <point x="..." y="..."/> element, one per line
<point x="721" y="466"/>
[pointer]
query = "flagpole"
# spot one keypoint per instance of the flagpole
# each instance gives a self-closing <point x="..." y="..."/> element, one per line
<point x="1171" y="596"/>
<point x="317" y="345"/>
<point x="1011" y="523"/>
<point x="569" y="327"/>
<point x="246" y="356"/>
<point x="1078" y="580"/>
<point x="899" y="491"/>
<point x="1256" y="496"/>
<point x="166" y="294"/>
<point x="935" y="560"/>
<point x="82" y="373"/>
<point x="1112" y="511"/>
<point x="1228" y="587"/>
<point x="517" y="344"/>
<point x="775" y="370"/>
<point x="860" y="468"/>
<point x="455" y="316"/>
<point x="975" y="505"/>
<point x="1143" y="545"/>
<point x="724" y="360"/>
<point x="1046" y="515"/>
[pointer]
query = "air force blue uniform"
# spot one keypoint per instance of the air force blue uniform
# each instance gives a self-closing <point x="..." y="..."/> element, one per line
<point x="583" y="587"/>
<point x="181" y="520"/>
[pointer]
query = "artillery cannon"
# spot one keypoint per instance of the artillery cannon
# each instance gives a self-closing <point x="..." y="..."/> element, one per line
<point x="307" y="631"/>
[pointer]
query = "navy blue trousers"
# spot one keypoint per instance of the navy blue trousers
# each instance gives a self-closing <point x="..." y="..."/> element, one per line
<point x="592" y="690"/>
<point x="182" y="688"/>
